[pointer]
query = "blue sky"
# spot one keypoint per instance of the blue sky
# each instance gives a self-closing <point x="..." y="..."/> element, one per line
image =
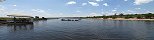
<point x="69" y="8"/>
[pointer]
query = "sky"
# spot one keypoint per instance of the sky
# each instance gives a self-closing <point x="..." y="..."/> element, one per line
<point x="74" y="8"/>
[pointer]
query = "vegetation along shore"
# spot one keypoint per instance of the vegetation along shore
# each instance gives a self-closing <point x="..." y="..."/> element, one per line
<point x="122" y="16"/>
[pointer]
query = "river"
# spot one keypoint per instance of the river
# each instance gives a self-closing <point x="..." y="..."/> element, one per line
<point x="86" y="29"/>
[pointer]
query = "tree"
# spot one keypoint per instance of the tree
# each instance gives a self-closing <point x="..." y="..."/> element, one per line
<point x="104" y="17"/>
<point x="36" y="16"/>
<point x="139" y="16"/>
<point x="127" y="16"/>
<point x="153" y="16"/>
<point x="43" y="18"/>
<point x="148" y="16"/>
<point x="121" y="15"/>
<point x="114" y="16"/>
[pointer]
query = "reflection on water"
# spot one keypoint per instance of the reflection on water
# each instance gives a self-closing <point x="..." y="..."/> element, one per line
<point x="86" y="29"/>
<point x="19" y="27"/>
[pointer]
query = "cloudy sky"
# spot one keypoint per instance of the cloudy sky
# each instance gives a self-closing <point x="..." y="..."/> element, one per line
<point x="63" y="8"/>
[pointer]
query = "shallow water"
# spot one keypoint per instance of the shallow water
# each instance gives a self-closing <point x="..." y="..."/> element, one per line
<point x="86" y="29"/>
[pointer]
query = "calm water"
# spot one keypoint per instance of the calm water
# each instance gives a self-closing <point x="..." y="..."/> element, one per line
<point x="86" y="29"/>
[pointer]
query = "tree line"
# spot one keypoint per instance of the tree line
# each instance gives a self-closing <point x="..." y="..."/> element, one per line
<point x="127" y="16"/>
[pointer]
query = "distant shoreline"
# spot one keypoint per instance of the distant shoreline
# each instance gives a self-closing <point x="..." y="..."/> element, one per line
<point x="130" y="19"/>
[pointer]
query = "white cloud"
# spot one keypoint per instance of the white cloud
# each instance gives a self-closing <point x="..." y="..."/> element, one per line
<point x="38" y="10"/>
<point x="130" y="11"/>
<point x="108" y="13"/>
<point x="61" y="14"/>
<point x="99" y="0"/>
<point x="78" y="11"/>
<point x="94" y="3"/>
<point x="147" y="11"/>
<point x="105" y="4"/>
<point x="2" y="8"/>
<point x="18" y="13"/>
<point x="15" y="9"/>
<point x="3" y="11"/>
<point x="94" y="14"/>
<point x="114" y="10"/>
<point x="139" y="2"/>
<point x="41" y="13"/>
<point x="125" y="0"/>
<point x="33" y="12"/>
<point x="48" y="9"/>
<point x="138" y="8"/>
<point x="71" y="2"/>
<point x="14" y="5"/>
<point x="83" y="4"/>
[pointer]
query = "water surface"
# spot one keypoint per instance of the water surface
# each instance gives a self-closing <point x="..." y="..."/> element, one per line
<point x="86" y="29"/>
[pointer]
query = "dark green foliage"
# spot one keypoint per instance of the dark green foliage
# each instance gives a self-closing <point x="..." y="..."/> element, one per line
<point x="44" y="18"/>
<point x="36" y="17"/>
<point x="139" y="16"/>
<point x="121" y="15"/>
<point x="127" y="16"/>
<point x="149" y="16"/>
